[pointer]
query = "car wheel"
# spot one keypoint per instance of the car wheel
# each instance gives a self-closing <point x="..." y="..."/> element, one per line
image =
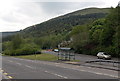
<point x="104" y="58"/>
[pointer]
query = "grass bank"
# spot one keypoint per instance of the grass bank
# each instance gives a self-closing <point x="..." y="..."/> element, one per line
<point x="43" y="57"/>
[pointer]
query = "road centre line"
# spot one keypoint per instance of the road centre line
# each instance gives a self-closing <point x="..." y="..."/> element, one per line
<point x="57" y="75"/>
<point x="10" y="61"/>
<point x="91" y="72"/>
<point x="29" y="66"/>
<point x="96" y="73"/>
<point x="19" y="63"/>
<point x="99" y="73"/>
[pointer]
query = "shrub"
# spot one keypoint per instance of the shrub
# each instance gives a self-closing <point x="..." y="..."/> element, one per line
<point x="26" y="49"/>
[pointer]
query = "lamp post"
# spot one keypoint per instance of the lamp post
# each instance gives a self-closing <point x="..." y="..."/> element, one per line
<point x="35" y="51"/>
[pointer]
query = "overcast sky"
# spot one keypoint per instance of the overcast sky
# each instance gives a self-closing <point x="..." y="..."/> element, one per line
<point x="16" y="15"/>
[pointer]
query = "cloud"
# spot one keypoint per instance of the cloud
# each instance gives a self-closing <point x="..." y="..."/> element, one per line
<point x="21" y="14"/>
<point x="60" y="7"/>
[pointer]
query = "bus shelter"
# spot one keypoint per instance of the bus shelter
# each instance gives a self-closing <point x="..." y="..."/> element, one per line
<point x="66" y="54"/>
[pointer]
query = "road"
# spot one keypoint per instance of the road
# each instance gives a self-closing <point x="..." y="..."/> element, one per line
<point x="84" y="58"/>
<point x="17" y="68"/>
<point x="81" y="57"/>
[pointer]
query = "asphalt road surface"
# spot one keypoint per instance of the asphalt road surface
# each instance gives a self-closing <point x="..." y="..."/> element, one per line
<point x="16" y="68"/>
<point x="81" y="57"/>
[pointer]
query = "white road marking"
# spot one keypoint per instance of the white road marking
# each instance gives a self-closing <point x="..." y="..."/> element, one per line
<point x="10" y="61"/>
<point x="29" y="66"/>
<point x="19" y="63"/>
<point x="46" y="71"/>
<point x="89" y="67"/>
<point x="57" y="75"/>
<point x="57" y="63"/>
<point x="98" y="73"/>
<point x="90" y="71"/>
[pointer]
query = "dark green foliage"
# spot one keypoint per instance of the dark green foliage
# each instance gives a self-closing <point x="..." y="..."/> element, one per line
<point x="49" y="42"/>
<point x="104" y="35"/>
<point x="26" y="50"/>
<point x="87" y="33"/>
<point x="109" y="34"/>
<point x="64" y="23"/>
<point x="16" y="41"/>
<point x="96" y="30"/>
<point x="19" y="46"/>
<point x="80" y="37"/>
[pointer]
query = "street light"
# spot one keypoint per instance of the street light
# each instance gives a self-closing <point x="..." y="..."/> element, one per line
<point x="35" y="51"/>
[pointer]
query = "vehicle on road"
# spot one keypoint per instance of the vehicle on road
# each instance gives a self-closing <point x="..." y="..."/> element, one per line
<point x="37" y="52"/>
<point x="103" y="55"/>
<point x="56" y="50"/>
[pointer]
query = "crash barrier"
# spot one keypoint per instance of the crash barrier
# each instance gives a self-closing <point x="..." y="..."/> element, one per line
<point x="108" y="61"/>
<point x="66" y="54"/>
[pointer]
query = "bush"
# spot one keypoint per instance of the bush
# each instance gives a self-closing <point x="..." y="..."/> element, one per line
<point x="7" y="52"/>
<point x="110" y="50"/>
<point x="26" y="49"/>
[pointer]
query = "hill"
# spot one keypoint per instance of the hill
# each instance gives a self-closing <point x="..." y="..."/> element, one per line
<point x="86" y="31"/>
<point x="5" y="34"/>
<point x="64" y="23"/>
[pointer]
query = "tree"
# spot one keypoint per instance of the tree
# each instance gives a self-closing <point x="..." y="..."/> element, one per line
<point x="16" y="41"/>
<point x="96" y="30"/>
<point x="80" y="36"/>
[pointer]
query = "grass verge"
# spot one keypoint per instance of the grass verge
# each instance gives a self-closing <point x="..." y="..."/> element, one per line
<point x="43" y="57"/>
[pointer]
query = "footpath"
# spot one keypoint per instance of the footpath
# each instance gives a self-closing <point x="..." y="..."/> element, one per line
<point x="103" y="65"/>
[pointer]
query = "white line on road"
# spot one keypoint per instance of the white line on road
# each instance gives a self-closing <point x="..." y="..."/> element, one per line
<point x="58" y="65"/>
<point x="29" y="66"/>
<point x="98" y="73"/>
<point x="19" y="63"/>
<point x="10" y="61"/>
<point x="57" y="75"/>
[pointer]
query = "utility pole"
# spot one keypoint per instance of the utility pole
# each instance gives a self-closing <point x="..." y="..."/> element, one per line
<point x="35" y="53"/>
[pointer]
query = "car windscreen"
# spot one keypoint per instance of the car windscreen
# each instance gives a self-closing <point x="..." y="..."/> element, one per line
<point x="106" y="54"/>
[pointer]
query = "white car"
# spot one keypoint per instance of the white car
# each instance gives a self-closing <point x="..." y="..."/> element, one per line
<point x="56" y="50"/>
<point x="103" y="55"/>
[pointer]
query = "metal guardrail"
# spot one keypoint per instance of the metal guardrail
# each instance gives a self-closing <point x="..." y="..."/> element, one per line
<point x="108" y="61"/>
